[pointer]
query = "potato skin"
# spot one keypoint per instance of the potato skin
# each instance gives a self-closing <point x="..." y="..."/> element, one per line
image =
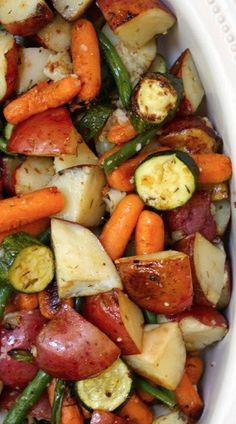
<point x="194" y="216"/>
<point x="206" y="315"/>
<point x="163" y="287"/>
<point x="49" y="133"/>
<point x="32" y="24"/>
<point x="12" y="70"/>
<point x="71" y="348"/>
<point x="186" y="245"/>
<point x="12" y="372"/>
<point x="118" y="12"/>
<point x="103" y="311"/>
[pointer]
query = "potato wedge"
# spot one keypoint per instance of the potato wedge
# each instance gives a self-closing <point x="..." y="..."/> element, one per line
<point x="221" y="211"/>
<point x="56" y="35"/>
<point x="201" y="327"/>
<point x="58" y="66"/>
<point x="8" y="64"/>
<point x="83" y="268"/>
<point x="71" y="9"/>
<point x="160" y="282"/>
<point x="24" y="18"/>
<point x="136" y="60"/>
<point x="191" y="134"/>
<point x="163" y="355"/>
<point x="112" y="198"/>
<point x="77" y="358"/>
<point x="82" y="187"/>
<point x="30" y="71"/>
<point x="195" y="215"/>
<point x="185" y="69"/>
<point x="227" y="288"/>
<point x="49" y="133"/>
<point x="7" y="169"/>
<point x="137" y="22"/>
<point x="34" y="173"/>
<point x="118" y="317"/>
<point x="208" y="268"/>
<point x="84" y="156"/>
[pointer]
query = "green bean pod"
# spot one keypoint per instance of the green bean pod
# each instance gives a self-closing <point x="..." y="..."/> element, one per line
<point x="128" y="150"/>
<point x="57" y="401"/>
<point x="5" y="294"/>
<point x="27" y="398"/>
<point x="117" y="68"/>
<point x="164" y="395"/>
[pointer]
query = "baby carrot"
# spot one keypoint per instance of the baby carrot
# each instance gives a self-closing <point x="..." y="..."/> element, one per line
<point x="120" y="133"/>
<point x="135" y="409"/>
<point x="122" y="177"/>
<point x="214" y="167"/>
<point x="20" y="210"/>
<point x="149" y="233"/>
<point x="26" y="301"/>
<point x="188" y="398"/>
<point x="117" y="231"/>
<point x="194" y="368"/>
<point x="108" y="153"/>
<point x="34" y="228"/>
<point x="43" y="96"/>
<point x="86" y="58"/>
<point x="70" y="412"/>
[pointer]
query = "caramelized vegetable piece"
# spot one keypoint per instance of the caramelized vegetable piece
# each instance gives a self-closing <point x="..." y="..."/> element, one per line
<point x="128" y="19"/>
<point x="136" y="409"/>
<point x="86" y="58"/>
<point x="43" y="96"/>
<point x="188" y="398"/>
<point x="159" y="282"/>
<point x="24" y="18"/>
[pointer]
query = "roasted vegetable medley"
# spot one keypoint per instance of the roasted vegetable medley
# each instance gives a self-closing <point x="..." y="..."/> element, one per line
<point x="114" y="216"/>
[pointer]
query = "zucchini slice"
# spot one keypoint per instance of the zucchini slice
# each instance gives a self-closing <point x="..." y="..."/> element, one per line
<point x="26" y="263"/>
<point x="166" y="180"/>
<point x="155" y="98"/>
<point x="108" y="390"/>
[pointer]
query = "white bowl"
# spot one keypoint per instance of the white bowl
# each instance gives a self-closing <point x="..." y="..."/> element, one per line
<point x="208" y="28"/>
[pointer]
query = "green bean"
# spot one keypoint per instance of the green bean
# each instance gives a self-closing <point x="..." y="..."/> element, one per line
<point x="5" y="294"/>
<point x="128" y="150"/>
<point x="27" y="398"/>
<point x="150" y="317"/>
<point x="57" y="402"/>
<point x="45" y="236"/>
<point x="117" y="67"/>
<point x="164" y="395"/>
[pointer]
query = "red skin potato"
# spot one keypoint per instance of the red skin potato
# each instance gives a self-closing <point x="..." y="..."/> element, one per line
<point x="71" y="348"/>
<point x="206" y="315"/>
<point x="12" y="70"/>
<point x="194" y="216"/>
<point x="186" y="245"/>
<point x="163" y="289"/>
<point x="41" y="410"/>
<point x="118" y="12"/>
<point x="8" y="166"/>
<point x="33" y="24"/>
<point x="103" y="311"/>
<point x="12" y="372"/>
<point x="105" y="417"/>
<point x="49" y="133"/>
